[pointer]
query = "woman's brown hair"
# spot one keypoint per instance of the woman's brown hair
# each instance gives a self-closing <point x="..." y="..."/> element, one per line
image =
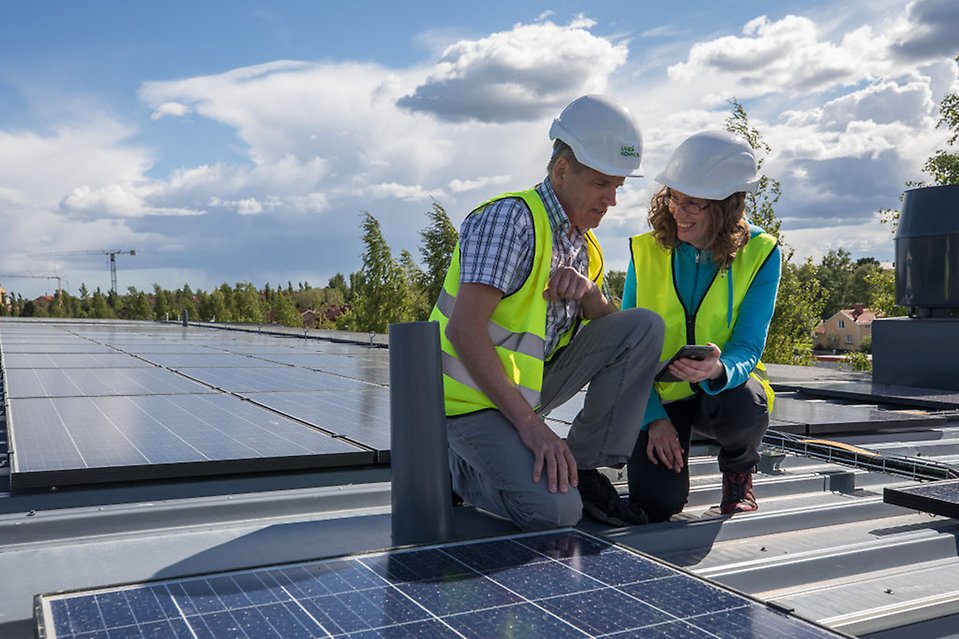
<point x="730" y="231"/>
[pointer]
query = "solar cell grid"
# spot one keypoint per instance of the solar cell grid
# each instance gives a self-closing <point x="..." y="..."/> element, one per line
<point x="359" y="414"/>
<point x="78" y="382"/>
<point x="72" y="360"/>
<point x="529" y="585"/>
<point x="77" y="440"/>
<point x="276" y="378"/>
<point x="205" y="360"/>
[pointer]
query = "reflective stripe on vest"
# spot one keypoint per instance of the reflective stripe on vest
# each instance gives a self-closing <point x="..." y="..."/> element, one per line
<point x="716" y="316"/>
<point x="517" y="326"/>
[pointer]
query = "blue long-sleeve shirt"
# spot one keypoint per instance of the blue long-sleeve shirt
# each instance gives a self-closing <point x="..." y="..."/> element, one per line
<point x="695" y="271"/>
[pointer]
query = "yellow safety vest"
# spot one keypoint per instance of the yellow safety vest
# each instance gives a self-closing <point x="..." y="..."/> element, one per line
<point x="517" y="326"/>
<point x="716" y="316"/>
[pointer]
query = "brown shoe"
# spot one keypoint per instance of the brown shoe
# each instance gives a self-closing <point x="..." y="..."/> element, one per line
<point x="738" y="494"/>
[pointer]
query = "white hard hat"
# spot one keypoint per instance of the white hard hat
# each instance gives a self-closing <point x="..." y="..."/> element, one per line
<point x="602" y="133"/>
<point x="711" y="165"/>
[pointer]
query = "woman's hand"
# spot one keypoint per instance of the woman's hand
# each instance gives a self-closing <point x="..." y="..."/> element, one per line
<point x="694" y="371"/>
<point x="664" y="446"/>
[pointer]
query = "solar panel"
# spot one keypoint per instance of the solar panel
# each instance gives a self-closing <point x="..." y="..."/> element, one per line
<point x="79" y="440"/>
<point x="554" y="584"/>
<point x="278" y="378"/>
<point x="72" y="360"/>
<point x="361" y="416"/>
<point x="78" y="346"/>
<point x="821" y="416"/>
<point x="75" y="382"/>
<point x="938" y="498"/>
<point x="881" y="393"/>
<point x="205" y="360"/>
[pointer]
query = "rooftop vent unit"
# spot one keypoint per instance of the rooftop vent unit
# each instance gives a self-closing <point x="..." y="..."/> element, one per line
<point x="921" y="350"/>
<point x="927" y="252"/>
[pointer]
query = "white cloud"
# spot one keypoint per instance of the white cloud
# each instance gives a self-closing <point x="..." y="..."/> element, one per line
<point x="784" y="55"/>
<point x="173" y="109"/>
<point x="517" y="75"/>
<point x="462" y="186"/>
<point x="392" y="190"/>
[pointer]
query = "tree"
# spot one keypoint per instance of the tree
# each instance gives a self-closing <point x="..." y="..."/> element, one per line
<point x="247" y="305"/>
<point x="835" y="278"/>
<point x="420" y="304"/>
<point x="380" y="293"/>
<point x="760" y="204"/>
<point x="797" y="313"/>
<point x="616" y="281"/>
<point x="439" y="240"/>
<point x="99" y="306"/>
<point x="183" y="298"/>
<point x="136" y="306"/>
<point x="284" y="310"/>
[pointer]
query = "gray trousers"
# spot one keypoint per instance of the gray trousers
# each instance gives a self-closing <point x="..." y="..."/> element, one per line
<point x="617" y="355"/>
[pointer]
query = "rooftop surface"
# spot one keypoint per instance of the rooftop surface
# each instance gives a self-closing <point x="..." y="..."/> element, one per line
<point x="286" y="459"/>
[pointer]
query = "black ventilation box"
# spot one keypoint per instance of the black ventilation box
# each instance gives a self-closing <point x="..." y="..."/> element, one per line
<point x="922" y="350"/>
<point x="927" y="252"/>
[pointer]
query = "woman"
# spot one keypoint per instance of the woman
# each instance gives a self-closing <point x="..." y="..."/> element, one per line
<point x="713" y="278"/>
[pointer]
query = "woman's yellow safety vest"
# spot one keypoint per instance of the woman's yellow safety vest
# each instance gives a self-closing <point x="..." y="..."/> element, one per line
<point x="716" y="316"/>
<point x="517" y="326"/>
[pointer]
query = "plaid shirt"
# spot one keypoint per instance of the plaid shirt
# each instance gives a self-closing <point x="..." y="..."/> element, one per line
<point x="497" y="246"/>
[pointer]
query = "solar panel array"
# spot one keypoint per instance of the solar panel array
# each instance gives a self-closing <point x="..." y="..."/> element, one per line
<point x="91" y="402"/>
<point x="555" y="584"/>
<point x="901" y="396"/>
<point x="804" y="416"/>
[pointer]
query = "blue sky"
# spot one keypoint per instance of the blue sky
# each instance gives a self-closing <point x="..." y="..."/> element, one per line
<point x="239" y="141"/>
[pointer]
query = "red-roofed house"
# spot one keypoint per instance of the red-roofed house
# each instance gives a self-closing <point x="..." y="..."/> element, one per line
<point x="846" y="330"/>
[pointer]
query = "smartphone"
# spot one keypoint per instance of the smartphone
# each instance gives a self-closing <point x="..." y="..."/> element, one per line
<point x="690" y="351"/>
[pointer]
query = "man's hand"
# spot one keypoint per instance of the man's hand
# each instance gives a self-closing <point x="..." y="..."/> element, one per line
<point x="549" y="451"/>
<point x="664" y="446"/>
<point x="568" y="284"/>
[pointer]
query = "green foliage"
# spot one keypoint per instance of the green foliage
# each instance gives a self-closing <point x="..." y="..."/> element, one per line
<point x="857" y="361"/>
<point x="100" y="307"/>
<point x="439" y="240"/>
<point x="381" y="295"/>
<point x="135" y="305"/>
<point x="760" y="206"/>
<point x="419" y="303"/>
<point x="835" y="278"/>
<point x="798" y="308"/>
<point x="248" y="307"/>
<point x="284" y="310"/>
<point x="616" y="281"/>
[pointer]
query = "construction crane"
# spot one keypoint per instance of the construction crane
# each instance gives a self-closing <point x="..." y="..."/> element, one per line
<point x="111" y="252"/>
<point x="55" y="276"/>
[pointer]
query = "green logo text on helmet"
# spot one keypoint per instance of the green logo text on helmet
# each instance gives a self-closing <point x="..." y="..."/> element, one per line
<point x="602" y="133"/>
<point x="711" y="165"/>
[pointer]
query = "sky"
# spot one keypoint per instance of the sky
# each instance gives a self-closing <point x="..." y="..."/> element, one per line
<point x="242" y="141"/>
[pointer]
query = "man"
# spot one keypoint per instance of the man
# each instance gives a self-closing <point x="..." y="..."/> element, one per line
<point x="525" y="277"/>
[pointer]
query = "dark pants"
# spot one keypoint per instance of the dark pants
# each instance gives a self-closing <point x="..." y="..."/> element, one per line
<point x="736" y="418"/>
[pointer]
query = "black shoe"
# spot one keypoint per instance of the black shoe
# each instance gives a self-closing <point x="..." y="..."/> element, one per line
<point x="603" y="503"/>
